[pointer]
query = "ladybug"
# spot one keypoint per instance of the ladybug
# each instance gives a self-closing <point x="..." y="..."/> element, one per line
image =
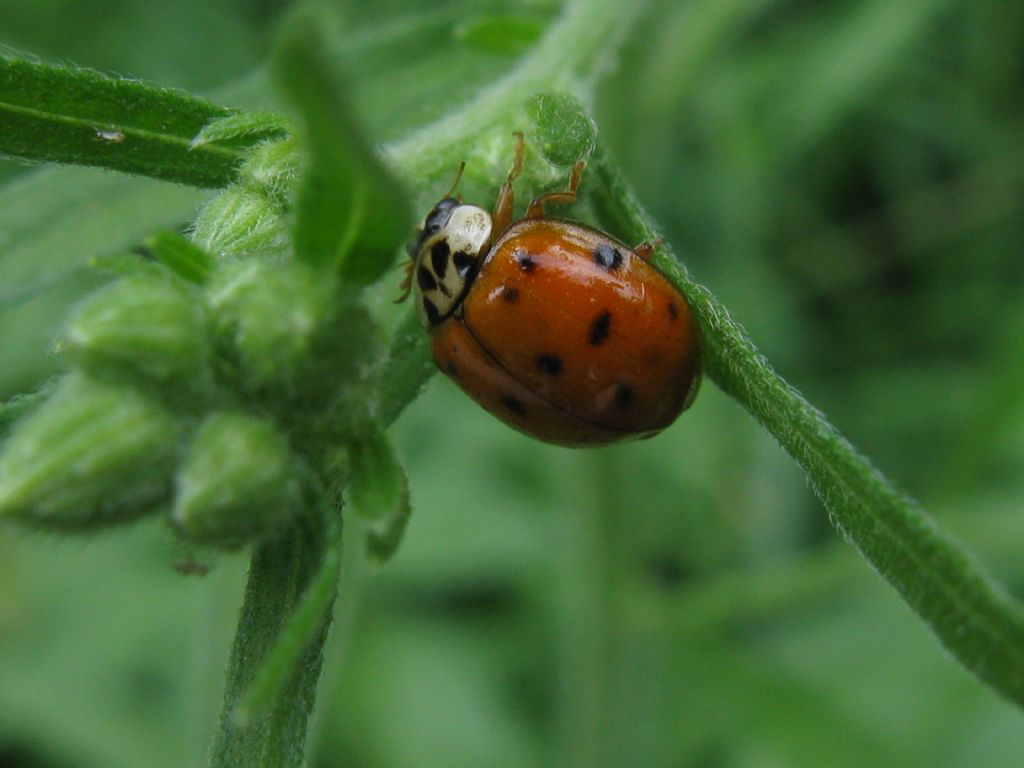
<point x="559" y="330"/>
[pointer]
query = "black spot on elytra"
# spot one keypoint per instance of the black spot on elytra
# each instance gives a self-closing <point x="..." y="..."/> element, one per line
<point x="452" y="368"/>
<point x="673" y="311"/>
<point x="608" y="257"/>
<point x="526" y="263"/>
<point x="624" y="395"/>
<point x="514" y="404"/>
<point x="439" y="253"/>
<point x="600" y="329"/>
<point x="431" y="309"/>
<point x="425" y="279"/>
<point x="549" y="365"/>
<point x="463" y="263"/>
<point x="510" y="294"/>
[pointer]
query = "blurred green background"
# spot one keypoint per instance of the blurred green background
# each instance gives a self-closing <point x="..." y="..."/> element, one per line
<point x="848" y="177"/>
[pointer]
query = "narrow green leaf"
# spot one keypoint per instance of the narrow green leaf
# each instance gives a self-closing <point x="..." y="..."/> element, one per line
<point x="350" y="214"/>
<point x="20" y="405"/>
<point x="248" y="125"/>
<point x="375" y="483"/>
<point x="90" y="119"/>
<point x="385" y="536"/>
<point x="378" y="491"/>
<point x="181" y="255"/>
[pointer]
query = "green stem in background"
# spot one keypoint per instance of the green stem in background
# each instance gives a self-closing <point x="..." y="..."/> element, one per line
<point x="973" y="617"/>
<point x="763" y="591"/>
<point x="589" y="570"/>
<point x="90" y="119"/>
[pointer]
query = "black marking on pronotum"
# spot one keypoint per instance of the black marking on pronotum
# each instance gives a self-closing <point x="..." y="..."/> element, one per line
<point x="608" y="257"/>
<point x="624" y="395"/>
<point x="524" y="261"/>
<point x="673" y="311"/>
<point x="433" y="316"/>
<point x="425" y="279"/>
<point x="439" y="253"/>
<point x="453" y="370"/>
<point x="599" y="329"/>
<point x="514" y="404"/>
<point x="463" y="263"/>
<point x="510" y="294"/>
<point x="549" y="365"/>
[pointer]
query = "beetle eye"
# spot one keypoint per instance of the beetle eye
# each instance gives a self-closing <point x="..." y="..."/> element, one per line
<point x="438" y="217"/>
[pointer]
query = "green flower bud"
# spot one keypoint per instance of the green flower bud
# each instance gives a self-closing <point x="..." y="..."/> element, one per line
<point x="237" y="482"/>
<point x="272" y="166"/>
<point x="242" y="221"/>
<point x="92" y="455"/>
<point x="180" y="255"/>
<point x="145" y="328"/>
<point x="269" y="315"/>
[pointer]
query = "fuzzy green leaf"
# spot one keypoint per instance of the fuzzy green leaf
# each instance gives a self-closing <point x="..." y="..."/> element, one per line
<point x="90" y="119"/>
<point x="563" y="129"/>
<point x="182" y="256"/>
<point x="350" y="215"/>
<point x="248" y="125"/>
<point x="20" y="406"/>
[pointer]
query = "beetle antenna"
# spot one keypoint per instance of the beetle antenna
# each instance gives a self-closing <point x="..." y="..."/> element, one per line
<point x="458" y="178"/>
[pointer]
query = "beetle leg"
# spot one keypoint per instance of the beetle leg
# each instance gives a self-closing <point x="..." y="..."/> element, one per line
<point x="536" y="209"/>
<point x="646" y="249"/>
<point x="406" y="285"/>
<point x="501" y="218"/>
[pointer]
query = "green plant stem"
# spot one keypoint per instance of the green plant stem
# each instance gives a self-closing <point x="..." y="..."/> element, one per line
<point x="280" y="572"/>
<point x="973" y="617"/>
